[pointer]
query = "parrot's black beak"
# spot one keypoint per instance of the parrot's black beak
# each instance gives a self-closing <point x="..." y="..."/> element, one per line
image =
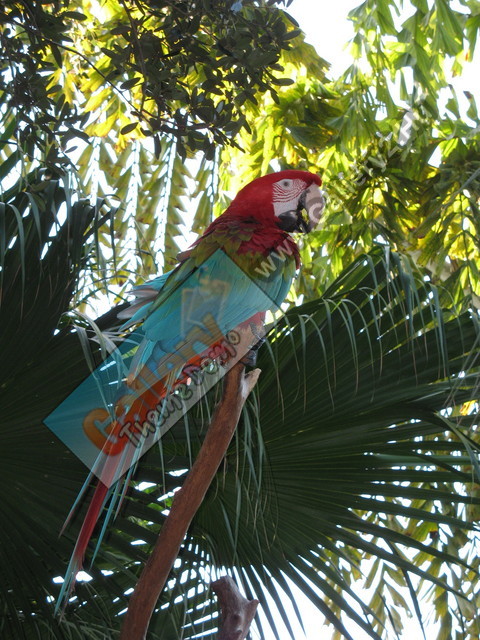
<point x="289" y="221"/>
<point x="302" y="224"/>
<point x="312" y="202"/>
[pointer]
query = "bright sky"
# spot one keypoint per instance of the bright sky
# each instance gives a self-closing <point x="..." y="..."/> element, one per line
<point x="328" y="29"/>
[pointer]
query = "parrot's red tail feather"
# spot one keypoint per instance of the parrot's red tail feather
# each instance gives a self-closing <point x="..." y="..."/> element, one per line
<point x="91" y="518"/>
<point x="76" y="562"/>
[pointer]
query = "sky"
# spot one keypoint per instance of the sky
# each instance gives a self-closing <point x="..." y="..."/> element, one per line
<point x="326" y="27"/>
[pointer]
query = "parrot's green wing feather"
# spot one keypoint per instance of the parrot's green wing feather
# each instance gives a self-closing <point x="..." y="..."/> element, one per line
<point x="252" y="282"/>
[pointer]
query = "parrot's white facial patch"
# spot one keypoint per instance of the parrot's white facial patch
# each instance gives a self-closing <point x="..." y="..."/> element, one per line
<point x="286" y="194"/>
<point x="290" y="197"/>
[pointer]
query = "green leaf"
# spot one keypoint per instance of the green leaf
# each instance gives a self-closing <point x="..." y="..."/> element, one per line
<point x="74" y="15"/>
<point x="283" y="82"/>
<point x="128" y="128"/>
<point x="128" y="84"/>
<point x="56" y="54"/>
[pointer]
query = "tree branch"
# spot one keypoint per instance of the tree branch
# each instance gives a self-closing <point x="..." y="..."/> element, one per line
<point x="237" y="386"/>
<point x="236" y="611"/>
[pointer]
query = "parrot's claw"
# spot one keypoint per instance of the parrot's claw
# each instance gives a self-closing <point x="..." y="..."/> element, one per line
<point x="258" y="334"/>
<point x="250" y="358"/>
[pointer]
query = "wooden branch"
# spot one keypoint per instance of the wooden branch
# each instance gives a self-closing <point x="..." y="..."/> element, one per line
<point x="236" y="611"/>
<point x="237" y="386"/>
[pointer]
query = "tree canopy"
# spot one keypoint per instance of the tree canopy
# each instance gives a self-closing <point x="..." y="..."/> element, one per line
<point x="126" y="126"/>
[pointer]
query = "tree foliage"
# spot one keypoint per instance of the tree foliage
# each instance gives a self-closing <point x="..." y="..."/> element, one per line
<point x="176" y="70"/>
<point x="126" y="124"/>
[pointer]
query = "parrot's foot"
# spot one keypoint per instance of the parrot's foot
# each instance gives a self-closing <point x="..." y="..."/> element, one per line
<point x="250" y="358"/>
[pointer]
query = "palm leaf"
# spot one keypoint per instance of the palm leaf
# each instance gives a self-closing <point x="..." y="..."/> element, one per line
<point x="48" y="241"/>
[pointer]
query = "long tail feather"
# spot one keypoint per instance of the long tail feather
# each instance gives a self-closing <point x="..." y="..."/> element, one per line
<point x="113" y="491"/>
<point x="81" y="493"/>
<point x="95" y="507"/>
<point x="118" y="492"/>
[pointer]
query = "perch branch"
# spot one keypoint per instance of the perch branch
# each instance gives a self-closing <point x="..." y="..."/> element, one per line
<point x="237" y="386"/>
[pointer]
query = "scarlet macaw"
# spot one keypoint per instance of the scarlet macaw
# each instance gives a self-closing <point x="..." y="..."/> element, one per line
<point x="254" y="232"/>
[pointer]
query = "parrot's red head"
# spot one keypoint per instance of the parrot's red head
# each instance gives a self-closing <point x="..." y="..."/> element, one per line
<point x="281" y="198"/>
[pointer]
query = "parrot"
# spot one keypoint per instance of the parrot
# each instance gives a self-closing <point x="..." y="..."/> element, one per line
<point x="254" y="233"/>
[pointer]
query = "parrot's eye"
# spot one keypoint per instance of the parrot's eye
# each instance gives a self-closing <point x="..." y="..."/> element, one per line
<point x="286" y="183"/>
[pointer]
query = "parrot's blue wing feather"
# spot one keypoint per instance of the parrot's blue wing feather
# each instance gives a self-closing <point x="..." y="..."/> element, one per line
<point x="218" y="286"/>
<point x="192" y="297"/>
